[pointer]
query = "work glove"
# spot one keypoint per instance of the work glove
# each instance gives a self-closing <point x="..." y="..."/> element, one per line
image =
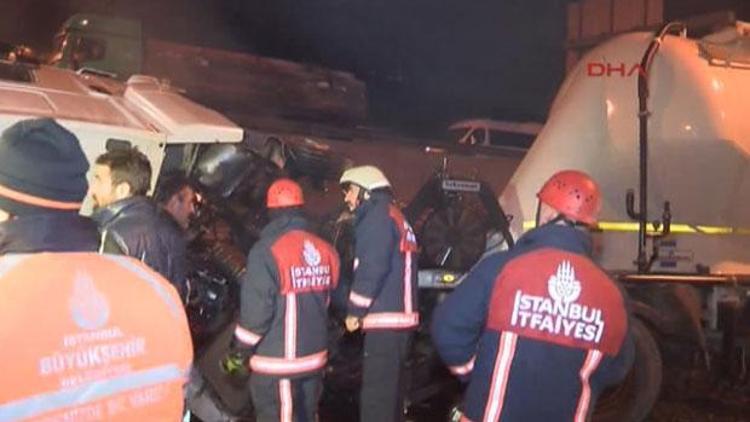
<point x="234" y="364"/>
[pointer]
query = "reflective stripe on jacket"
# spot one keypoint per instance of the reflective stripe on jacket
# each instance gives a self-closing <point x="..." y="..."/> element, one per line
<point x="538" y="324"/>
<point x="92" y="337"/>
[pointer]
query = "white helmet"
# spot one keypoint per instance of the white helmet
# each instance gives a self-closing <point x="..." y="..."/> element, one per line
<point x="368" y="177"/>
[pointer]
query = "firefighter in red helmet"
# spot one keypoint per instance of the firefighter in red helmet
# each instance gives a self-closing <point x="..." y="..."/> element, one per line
<point x="540" y="330"/>
<point x="571" y="196"/>
<point x="281" y="335"/>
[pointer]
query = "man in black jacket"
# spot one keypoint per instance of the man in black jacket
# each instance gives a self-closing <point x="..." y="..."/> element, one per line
<point x="129" y="222"/>
<point x="42" y="183"/>
<point x="383" y="296"/>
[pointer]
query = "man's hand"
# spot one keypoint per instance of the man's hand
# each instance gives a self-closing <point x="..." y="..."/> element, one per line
<point x="352" y="323"/>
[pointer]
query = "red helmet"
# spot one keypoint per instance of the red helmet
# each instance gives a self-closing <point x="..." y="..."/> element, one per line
<point x="573" y="194"/>
<point x="284" y="193"/>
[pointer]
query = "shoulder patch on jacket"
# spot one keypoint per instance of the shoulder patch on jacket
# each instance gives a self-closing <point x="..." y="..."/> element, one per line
<point x="305" y="262"/>
<point x="559" y="297"/>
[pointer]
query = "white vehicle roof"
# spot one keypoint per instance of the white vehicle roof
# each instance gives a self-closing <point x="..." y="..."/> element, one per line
<point x="143" y="112"/>
<point x="142" y="104"/>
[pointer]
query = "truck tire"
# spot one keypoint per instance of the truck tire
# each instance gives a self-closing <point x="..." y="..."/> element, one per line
<point x="633" y="399"/>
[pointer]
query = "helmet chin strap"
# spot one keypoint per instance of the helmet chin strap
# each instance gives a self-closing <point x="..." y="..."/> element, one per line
<point x="558" y="218"/>
<point x="561" y="218"/>
<point x="363" y="195"/>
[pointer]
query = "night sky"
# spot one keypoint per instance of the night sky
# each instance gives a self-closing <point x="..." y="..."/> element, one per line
<point x="426" y="63"/>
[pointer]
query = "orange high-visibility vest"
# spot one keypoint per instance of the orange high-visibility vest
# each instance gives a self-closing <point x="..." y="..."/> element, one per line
<point x="88" y="337"/>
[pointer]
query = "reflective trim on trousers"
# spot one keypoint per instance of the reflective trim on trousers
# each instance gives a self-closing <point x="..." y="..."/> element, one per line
<point x="285" y="398"/>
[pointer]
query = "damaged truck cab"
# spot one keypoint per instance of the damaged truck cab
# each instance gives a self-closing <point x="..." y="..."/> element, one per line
<point x="104" y="114"/>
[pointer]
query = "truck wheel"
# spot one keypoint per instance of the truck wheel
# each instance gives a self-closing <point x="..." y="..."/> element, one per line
<point x="633" y="399"/>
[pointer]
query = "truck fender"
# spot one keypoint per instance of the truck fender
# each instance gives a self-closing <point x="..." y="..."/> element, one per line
<point x="672" y="311"/>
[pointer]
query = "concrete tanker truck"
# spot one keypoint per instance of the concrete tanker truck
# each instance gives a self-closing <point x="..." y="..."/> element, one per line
<point x="662" y="122"/>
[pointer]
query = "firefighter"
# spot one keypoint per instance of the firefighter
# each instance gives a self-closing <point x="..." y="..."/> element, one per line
<point x="540" y="330"/>
<point x="95" y="337"/>
<point x="282" y="331"/>
<point x="383" y="296"/>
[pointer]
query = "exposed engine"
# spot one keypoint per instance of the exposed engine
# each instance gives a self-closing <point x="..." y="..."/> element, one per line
<point x="454" y="219"/>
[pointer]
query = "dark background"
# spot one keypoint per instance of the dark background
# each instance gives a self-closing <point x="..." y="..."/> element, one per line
<point x="426" y="62"/>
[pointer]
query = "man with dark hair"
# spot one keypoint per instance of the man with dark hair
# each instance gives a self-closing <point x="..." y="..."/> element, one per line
<point x="127" y="168"/>
<point x="177" y="196"/>
<point x="130" y="224"/>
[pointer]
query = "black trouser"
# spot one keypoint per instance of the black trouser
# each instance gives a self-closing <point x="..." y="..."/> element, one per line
<point x="382" y="396"/>
<point x="285" y="400"/>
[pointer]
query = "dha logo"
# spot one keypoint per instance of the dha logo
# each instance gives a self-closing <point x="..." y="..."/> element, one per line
<point x="559" y="314"/>
<point x="623" y="70"/>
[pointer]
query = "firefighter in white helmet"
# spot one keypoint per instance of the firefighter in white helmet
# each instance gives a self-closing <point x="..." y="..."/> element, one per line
<point x="383" y="296"/>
